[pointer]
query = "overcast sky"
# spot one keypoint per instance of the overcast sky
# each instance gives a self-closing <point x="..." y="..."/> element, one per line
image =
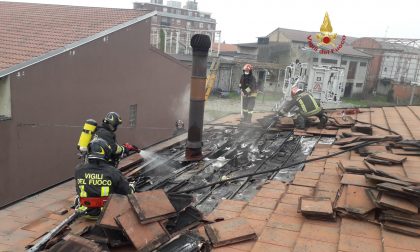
<point x="241" y="21"/>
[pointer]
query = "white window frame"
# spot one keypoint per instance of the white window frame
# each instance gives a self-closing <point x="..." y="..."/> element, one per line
<point x="5" y="98"/>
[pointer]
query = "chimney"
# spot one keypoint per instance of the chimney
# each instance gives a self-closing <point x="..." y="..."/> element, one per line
<point x="200" y="44"/>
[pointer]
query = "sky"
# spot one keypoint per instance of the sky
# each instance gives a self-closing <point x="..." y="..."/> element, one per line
<point x="242" y="21"/>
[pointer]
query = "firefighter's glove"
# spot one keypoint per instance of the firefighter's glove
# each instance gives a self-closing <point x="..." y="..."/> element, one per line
<point x="248" y="90"/>
<point x="128" y="147"/>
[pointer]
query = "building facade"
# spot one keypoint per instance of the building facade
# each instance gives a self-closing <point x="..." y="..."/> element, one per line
<point x="50" y="89"/>
<point x="290" y="45"/>
<point x="173" y="26"/>
<point x="394" y="62"/>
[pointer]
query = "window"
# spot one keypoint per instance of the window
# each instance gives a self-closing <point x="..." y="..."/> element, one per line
<point x="154" y="19"/>
<point x="209" y="26"/>
<point x="190" y="13"/>
<point x="359" y="85"/>
<point x="165" y="9"/>
<point x="352" y="70"/>
<point x="178" y="21"/>
<point x="5" y="99"/>
<point x="315" y="59"/>
<point x="201" y="25"/>
<point x="132" y="119"/>
<point x="344" y="62"/>
<point x="362" y="64"/>
<point x="328" y="61"/>
<point x="178" y="12"/>
<point x="385" y="69"/>
<point x="188" y="23"/>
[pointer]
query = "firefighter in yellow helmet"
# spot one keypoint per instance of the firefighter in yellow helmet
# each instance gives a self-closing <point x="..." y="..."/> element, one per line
<point x="249" y="88"/>
<point x="307" y="105"/>
<point x="97" y="179"/>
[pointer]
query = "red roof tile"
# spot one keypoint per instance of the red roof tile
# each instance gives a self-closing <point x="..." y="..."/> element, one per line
<point x="31" y="30"/>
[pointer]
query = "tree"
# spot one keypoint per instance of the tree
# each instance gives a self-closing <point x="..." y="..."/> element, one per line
<point x="162" y="40"/>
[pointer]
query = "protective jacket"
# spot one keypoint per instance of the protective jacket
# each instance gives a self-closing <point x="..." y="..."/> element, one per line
<point x="98" y="179"/>
<point x="109" y="136"/>
<point x="306" y="103"/>
<point x="249" y="85"/>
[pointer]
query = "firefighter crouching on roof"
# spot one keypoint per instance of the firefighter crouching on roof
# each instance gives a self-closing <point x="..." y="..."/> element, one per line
<point x="248" y="86"/>
<point x="307" y="107"/>
<point x="107" y="132"/>
<point x="97" y="179"/>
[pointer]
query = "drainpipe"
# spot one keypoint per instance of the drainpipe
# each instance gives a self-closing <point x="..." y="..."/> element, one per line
<point x="200" y="44"/>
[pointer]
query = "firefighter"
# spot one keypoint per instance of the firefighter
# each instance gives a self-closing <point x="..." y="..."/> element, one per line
<point x="107" y="132"/>
<point x="307" y="107"/>
<point x="97" y="179"/>
<point x="179" y="128"/>
<point x="248" y="86"/>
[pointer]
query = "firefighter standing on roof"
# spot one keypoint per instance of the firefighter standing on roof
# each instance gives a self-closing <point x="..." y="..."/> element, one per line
<point x="97" y="179"/>
<point x="307" y="105"/>
<point x="248" y="86"/>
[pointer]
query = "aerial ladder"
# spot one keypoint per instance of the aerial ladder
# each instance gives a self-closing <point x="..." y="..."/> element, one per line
<point x="325" y="83"/>
<point x="211" y="78"/>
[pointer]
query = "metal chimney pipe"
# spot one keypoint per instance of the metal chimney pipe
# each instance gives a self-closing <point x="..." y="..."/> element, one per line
<point x="200" y="44"/>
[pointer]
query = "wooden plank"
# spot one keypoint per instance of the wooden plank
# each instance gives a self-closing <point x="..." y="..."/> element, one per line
<point x="404" y="152"/>
<point x="378" y="161"/>
<point x="346" y="140"/>
<point x="353" y="166"/>
<point x="130" y="161"/>
<point x="230" y="231"/>
<point x="402" y="229"/>
<point x="389" y="157"/>
<point x="397" y="203"/>
<point x="362" y="128"/>
<point x="144" y="237"/>
<point x="379" y="137"/>
<point x="152" y="206"/>
<point x="350" y="145"/>
<point x="381" y="179"/>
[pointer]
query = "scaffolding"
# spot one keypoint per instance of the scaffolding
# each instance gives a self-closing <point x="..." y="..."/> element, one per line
<point x="176" y="40"/>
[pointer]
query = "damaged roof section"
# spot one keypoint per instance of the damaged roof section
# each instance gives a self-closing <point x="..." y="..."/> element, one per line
<point x="262" y="188"/>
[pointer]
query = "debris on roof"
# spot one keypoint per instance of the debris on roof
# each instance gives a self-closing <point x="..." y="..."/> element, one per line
<point x="292" y="191"/>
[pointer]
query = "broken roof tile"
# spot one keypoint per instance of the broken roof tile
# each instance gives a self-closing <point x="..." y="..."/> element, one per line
<point x="230" y="231"/>
<point x="115" y="205"/>
<point x="357" y="180"/>
<point x="151" y="206"/>
<point x="144" y="237"/>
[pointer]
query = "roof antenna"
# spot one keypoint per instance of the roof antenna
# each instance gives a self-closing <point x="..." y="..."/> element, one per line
<point x="386" y="31"/>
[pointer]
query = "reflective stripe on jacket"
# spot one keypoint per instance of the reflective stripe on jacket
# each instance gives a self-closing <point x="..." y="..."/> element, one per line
<point x="307" y="104"/>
